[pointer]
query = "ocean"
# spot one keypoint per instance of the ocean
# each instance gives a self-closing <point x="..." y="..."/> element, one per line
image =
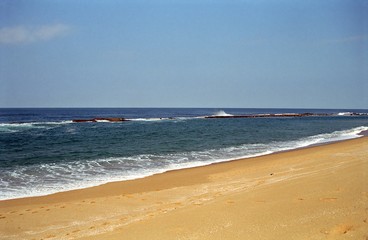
<point x="42" y="151"/>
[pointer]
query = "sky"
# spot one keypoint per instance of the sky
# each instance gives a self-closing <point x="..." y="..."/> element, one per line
<point x="193" y="53"/>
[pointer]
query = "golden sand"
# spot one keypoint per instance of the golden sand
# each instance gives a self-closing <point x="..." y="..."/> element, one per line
<point x="313" y="193"/>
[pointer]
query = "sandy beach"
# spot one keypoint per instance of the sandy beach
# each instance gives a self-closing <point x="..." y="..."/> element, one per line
<point x="320" y="192"/>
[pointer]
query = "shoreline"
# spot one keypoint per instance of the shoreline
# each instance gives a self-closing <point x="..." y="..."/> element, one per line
<point x="202" y="164"/>
<point x="295" y="187"/>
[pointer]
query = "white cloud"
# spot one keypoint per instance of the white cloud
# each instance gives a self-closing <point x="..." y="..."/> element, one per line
<point x="23" y="34"/>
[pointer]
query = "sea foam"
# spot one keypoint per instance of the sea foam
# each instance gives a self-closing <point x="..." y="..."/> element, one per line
<point x="18" y="127"/>
<point x="221" y="113"/>
<point x="48" y="178"/>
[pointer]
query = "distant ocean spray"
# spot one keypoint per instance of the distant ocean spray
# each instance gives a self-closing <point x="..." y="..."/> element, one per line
<point x="42" y="151"/>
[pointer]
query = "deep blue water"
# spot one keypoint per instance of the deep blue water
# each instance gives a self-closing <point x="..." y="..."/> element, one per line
<point x="42" y="151"/>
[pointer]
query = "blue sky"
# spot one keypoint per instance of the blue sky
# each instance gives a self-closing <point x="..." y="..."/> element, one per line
<point x="291" y="54"/>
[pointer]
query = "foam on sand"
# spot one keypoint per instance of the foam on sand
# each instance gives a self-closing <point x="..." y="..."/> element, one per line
<point x="312" y="193"/>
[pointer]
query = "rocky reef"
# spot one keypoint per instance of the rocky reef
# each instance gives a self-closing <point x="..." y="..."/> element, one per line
<point x="100" y="120"/>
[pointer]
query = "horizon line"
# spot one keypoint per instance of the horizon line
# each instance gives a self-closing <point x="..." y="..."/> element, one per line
<point x="318" y="108"/>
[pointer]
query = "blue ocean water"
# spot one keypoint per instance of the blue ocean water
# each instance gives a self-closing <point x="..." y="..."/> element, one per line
<point x="42" y="151"/>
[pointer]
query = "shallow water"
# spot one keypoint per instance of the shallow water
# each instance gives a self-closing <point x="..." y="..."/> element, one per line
<point x="42" y="151"/>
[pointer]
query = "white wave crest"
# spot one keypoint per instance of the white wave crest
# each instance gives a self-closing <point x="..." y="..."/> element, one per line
<point x="221" y="113"/>
<point x="352" y="114"/>
<point x="148" y="119"/>
<point x="164" y="119"/>
<point x="344" y="114"/>
<point x="17" y="127"/>
<point x="42" y="179"/>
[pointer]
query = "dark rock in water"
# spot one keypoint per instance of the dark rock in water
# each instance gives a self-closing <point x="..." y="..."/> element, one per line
<point x="100" y="120"/>
<point x="83" y="120"/>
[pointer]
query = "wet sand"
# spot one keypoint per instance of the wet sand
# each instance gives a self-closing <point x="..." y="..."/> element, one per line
<point x="319" y="192"/>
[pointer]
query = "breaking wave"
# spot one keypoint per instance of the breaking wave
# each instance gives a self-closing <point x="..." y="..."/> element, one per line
<point x="42" y="179"/>
<point x="222" y="113"/>
<point x="351" y="114"/>
<point x="17" y="127"/>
